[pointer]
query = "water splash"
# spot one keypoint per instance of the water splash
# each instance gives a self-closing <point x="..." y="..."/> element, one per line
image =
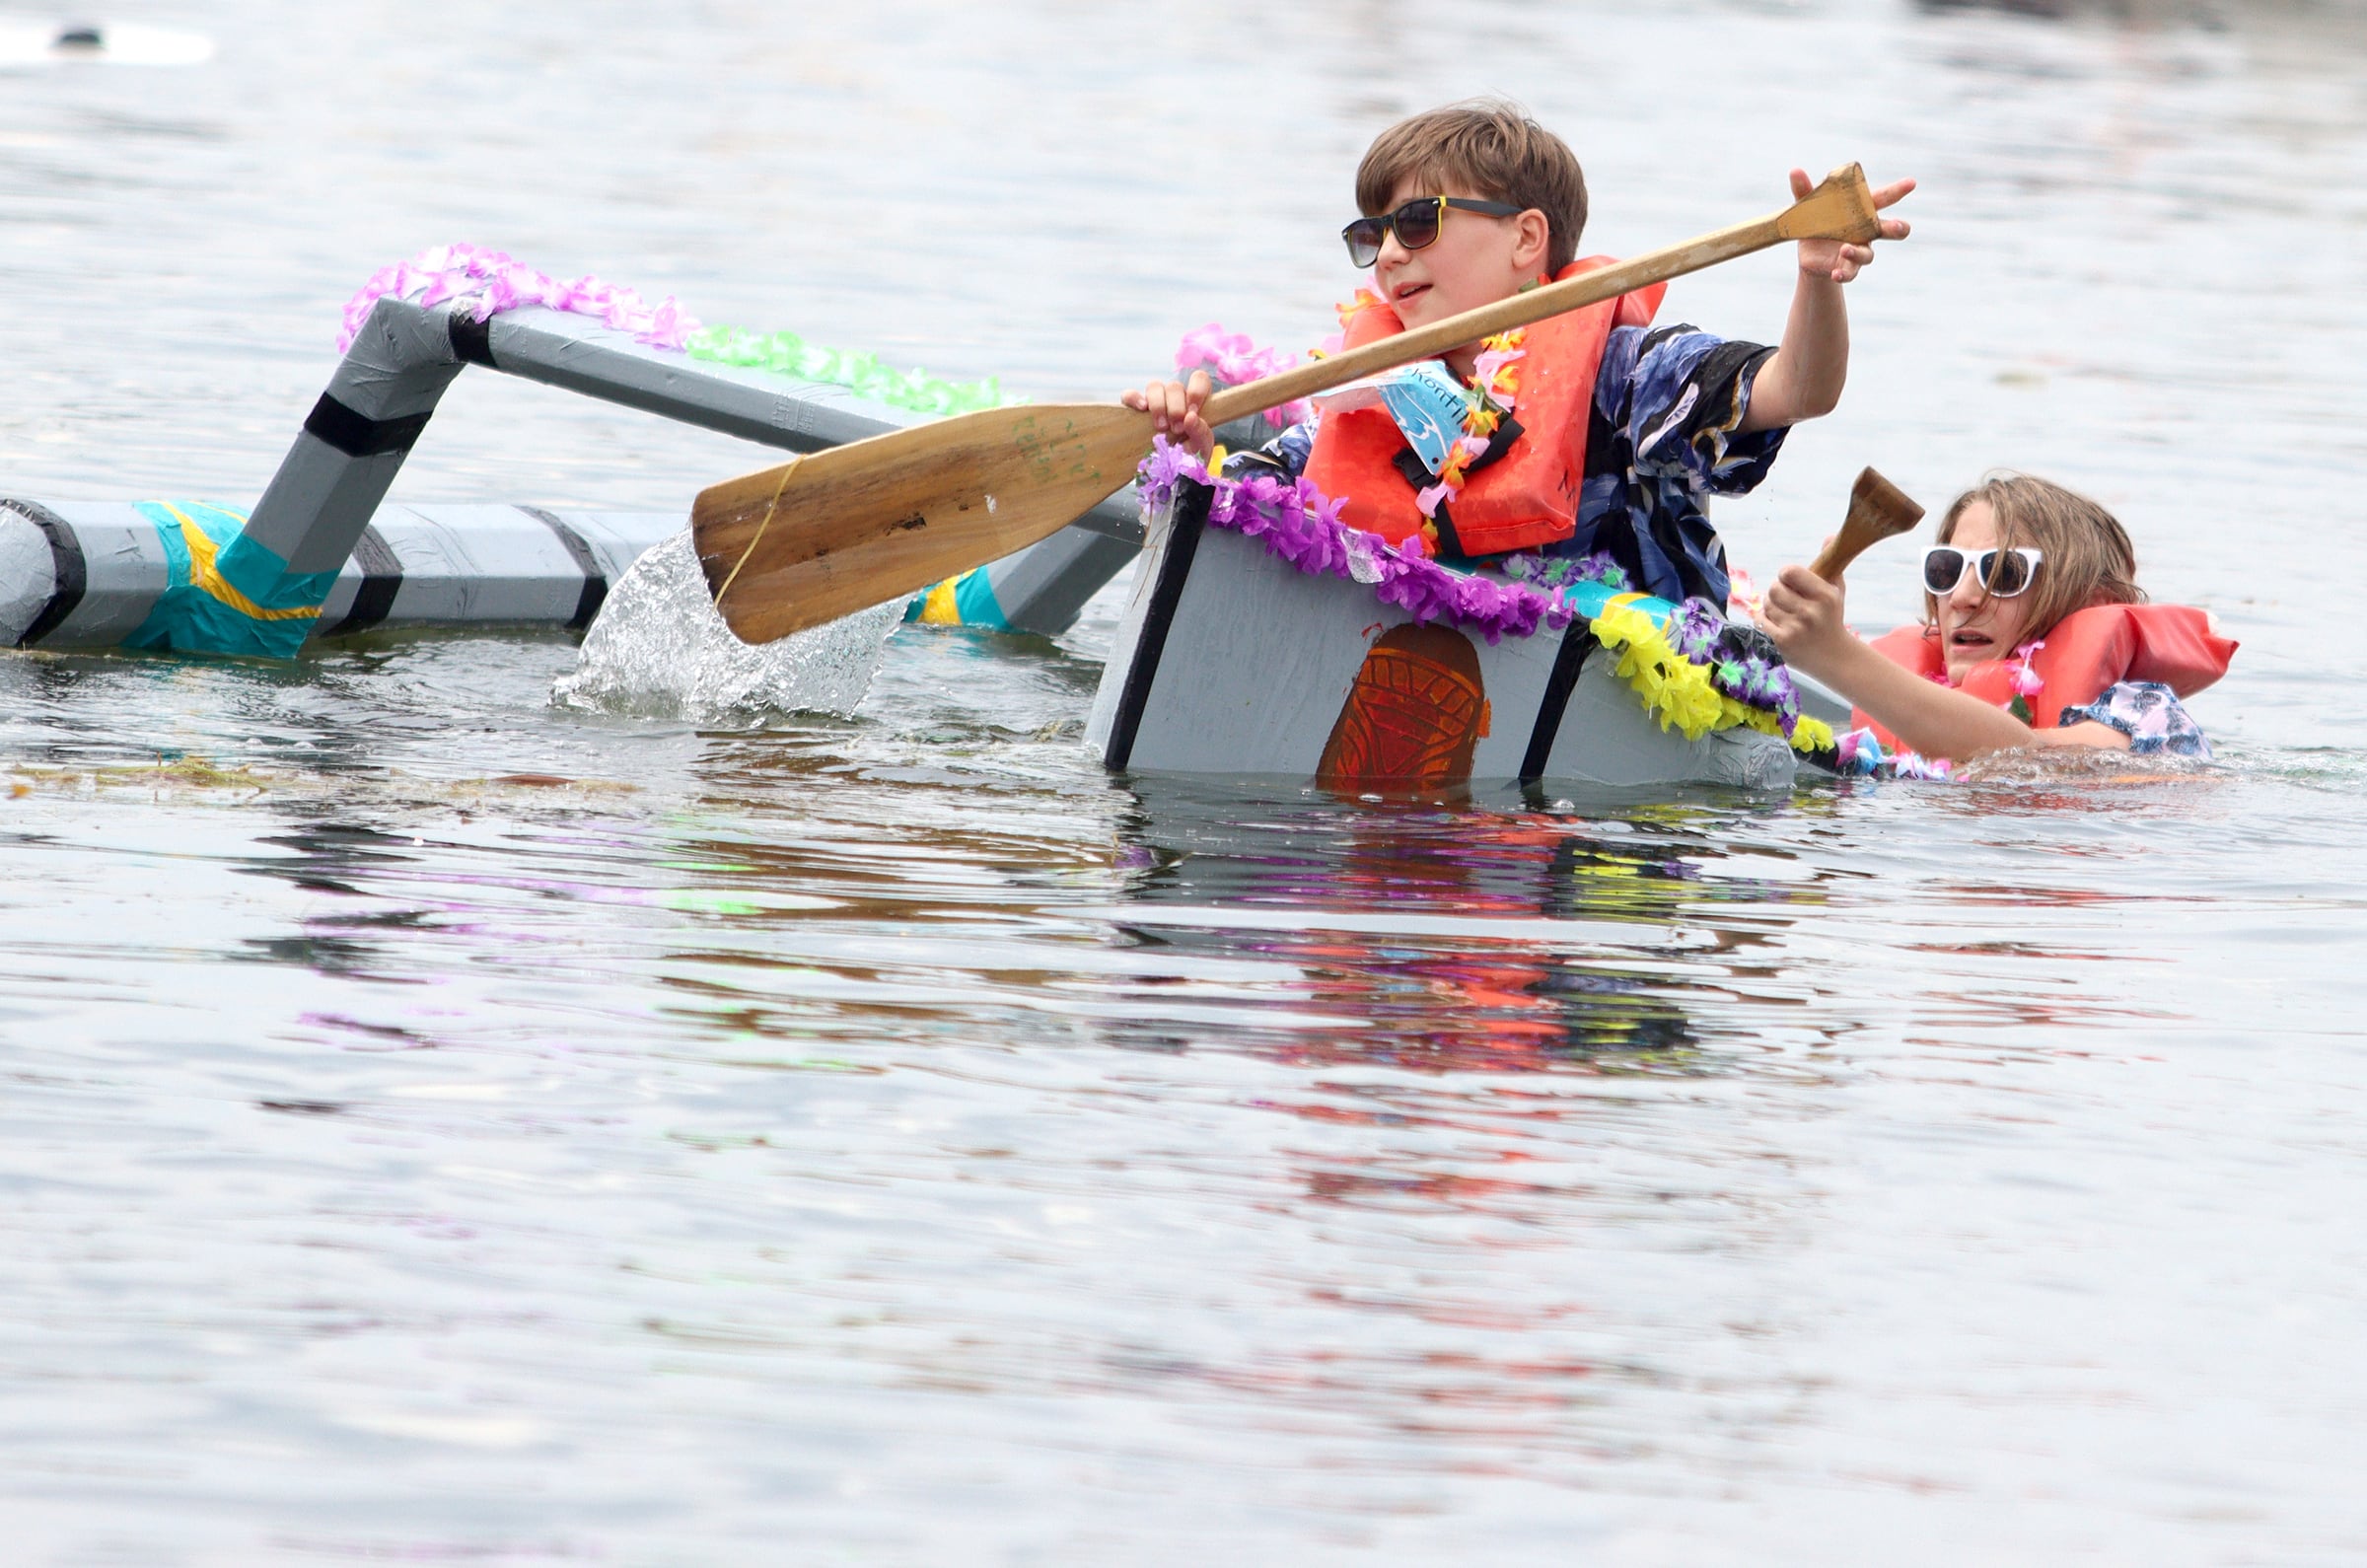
<point x="659" y="650"/>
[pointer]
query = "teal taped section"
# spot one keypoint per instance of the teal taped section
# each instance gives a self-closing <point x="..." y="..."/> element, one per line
<point x="226" y="605"/>
<point x="920" y="602"/>
<point x="1591" y="598"/>
<point x="973" y="596"/>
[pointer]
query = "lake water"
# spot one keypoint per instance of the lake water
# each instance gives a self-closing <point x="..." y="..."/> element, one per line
<point x="444" y="1127"/>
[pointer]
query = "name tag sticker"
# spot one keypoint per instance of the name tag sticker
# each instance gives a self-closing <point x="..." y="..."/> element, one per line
<point x="1427" y="401"/>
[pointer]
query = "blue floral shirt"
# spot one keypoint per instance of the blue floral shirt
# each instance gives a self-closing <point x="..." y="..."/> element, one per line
<point x="1662" y="439"/>
<point x="2150" y="715"/>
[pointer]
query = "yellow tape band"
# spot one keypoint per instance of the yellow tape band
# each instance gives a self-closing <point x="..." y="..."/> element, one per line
<point x="202" y="574"/>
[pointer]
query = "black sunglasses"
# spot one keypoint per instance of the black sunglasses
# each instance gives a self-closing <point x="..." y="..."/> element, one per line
<point x="1415" y="225"/>
<point x="2002" y="573"/>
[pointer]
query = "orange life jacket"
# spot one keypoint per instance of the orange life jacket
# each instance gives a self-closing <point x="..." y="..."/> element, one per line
<point x="2087" y="653"/>
<point x="1518" y="499"/>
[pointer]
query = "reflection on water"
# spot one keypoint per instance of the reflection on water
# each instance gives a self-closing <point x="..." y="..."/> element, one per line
<point x="1430" y="933"/>
<point x="440" y="1126"/>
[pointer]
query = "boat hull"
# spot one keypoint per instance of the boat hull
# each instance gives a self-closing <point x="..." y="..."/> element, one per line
<point x="1232" y="662"/>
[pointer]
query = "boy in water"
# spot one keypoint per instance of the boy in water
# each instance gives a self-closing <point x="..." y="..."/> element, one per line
<point x="1599" y="432"/>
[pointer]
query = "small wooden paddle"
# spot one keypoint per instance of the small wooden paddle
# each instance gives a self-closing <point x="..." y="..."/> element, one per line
<point x="839" y="531"/>
<point x="1878" y="510"/>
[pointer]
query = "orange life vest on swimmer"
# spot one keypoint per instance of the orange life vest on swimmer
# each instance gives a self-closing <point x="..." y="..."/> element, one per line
<point x="1515" y="497"/>
<point x="2087" y="653"/>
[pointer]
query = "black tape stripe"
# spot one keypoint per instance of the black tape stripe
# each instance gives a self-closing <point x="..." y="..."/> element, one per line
<point x="1568" y="659"/>
<point x="596" y="581"/>
<point x="1174" y="568"/>
<point x="358" y="435"/>
<point x="471" y="338"/>
<point x="72" y="572"/>
<point x="381" y="580"/>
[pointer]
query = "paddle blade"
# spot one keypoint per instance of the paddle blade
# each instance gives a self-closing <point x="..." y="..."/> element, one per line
<point x="1841" y="207"/>
<point x="1878" y="510"/>
<point x="839" y="531"/>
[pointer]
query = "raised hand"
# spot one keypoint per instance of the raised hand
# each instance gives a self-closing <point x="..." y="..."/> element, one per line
<point x="1803" y="612"/>
<point x="1830" y="258"/>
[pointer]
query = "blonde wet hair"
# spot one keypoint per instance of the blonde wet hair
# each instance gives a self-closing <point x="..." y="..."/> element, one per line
<point x="1491" y="147"/>
<point x="2085" y="554"/>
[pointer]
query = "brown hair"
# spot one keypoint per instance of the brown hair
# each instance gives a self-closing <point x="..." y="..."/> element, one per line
<point x="1493" y="149"/>
<point x="2085" y="557"/>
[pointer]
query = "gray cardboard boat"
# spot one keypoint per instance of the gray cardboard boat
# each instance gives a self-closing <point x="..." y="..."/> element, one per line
<point x="1232" y="662"/>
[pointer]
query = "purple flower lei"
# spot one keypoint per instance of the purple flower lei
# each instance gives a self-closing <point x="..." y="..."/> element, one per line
<point x="1556" y="571"/>
<point x="1750" y="678"/>
<point x="1300" y="526"/>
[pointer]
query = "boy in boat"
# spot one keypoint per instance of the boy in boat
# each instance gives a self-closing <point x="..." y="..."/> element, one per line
<point x="1589" y="432"/>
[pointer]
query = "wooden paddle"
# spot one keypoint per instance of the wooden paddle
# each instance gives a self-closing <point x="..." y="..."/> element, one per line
<point x="1878" y="510"/>
<point x="837" y="531"/>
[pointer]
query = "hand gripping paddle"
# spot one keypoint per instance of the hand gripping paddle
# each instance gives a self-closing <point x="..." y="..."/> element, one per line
<point x="837" y="531"/>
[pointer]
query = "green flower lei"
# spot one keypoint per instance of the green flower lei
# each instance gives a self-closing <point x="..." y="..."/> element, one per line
<point x="788" y="354"/>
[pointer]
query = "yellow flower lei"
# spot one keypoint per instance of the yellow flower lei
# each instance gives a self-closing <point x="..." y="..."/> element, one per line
<point x="1677" y="691"/>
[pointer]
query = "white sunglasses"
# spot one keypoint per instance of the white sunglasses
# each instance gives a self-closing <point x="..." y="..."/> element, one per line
<point x="2001" y="573"/>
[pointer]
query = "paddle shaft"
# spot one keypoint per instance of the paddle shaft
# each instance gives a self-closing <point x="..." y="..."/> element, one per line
<point x="1839" y="208"/>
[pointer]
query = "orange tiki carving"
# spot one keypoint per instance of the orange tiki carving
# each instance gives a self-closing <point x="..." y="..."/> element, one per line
<point x="1416" y="711"/>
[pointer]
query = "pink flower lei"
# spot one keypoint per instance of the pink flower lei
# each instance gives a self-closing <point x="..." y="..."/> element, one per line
<point x="1234" y="358"/>
<point x="491" y="282"/>
<point x="2028" y="683"/>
